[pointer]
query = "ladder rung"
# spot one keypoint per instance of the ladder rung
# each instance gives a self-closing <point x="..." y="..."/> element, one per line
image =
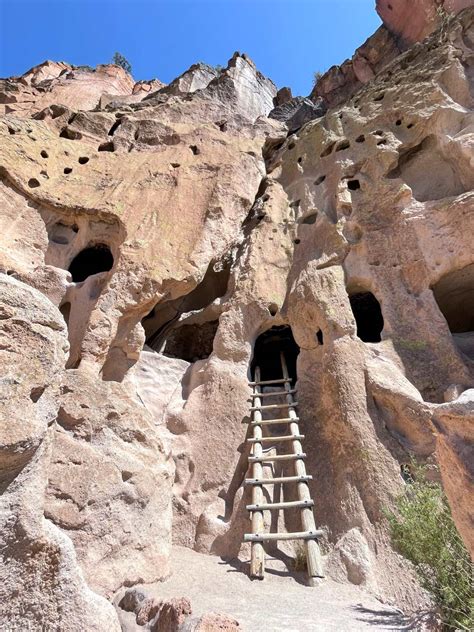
<point x="267" y="422"/>
<point x="278" y="479"/>
<point x="269" y="406"/>
<point x="276" y="439"/>
<point x="277" y="457"/>
<point x="283" y="505"/>
<point x="298" y="535"/>
<point x="266" y="382"/>
<point x="290" y="392"/>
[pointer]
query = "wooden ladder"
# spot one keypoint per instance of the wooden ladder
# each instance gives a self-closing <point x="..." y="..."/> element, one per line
<point x="304" y="503"/>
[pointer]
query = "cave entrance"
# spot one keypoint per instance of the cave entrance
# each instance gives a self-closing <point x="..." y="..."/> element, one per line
<point x="454" y="294"/>
<point x="191" y="342"/>
<point x="166" y="327"/>
<point x="368" y="316"/>
<point x="267" y="350"/>
<point x="91" y="260"/>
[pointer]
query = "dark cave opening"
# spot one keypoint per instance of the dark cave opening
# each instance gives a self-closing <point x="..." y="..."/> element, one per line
<point x="91" y="260"/>
<point x="191" y="342"/>
<point x="266" y="354"/>
<point x="368" y="316"/>
<point x="454" y="294"/>
<point x="160" y="322"/>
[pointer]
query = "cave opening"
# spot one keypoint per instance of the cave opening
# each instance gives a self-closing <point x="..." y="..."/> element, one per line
<point x="454" y="293"/>
<point x="266" y="354"/>
<point x="368" y="316"/>
<point x="164" y="317"/>
<point x="91" y="260"/>
<point x="191" y="342"/>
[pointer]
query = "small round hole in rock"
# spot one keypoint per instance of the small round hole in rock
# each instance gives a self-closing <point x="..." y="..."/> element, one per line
<point x="360" y="139"/>
<point x="33" y="183"/>
<point x="353" y="185"/>
<point x="291" y="145"/>
<point x="195" y="149"/>
<point x="319" y="337"/>
<point x="36" y="393"/>
<point x="398" y="122"/>
<point x="83" y="160"/>
<point x="300" y="160"/>
<point x="106" y="146"/>
<point x="273" y="309"/>
<point x="345" y="144"/>
<point x="296" y="241"/>
<point x="410" y="125"/>
<point x="310" y="219"/>
<point x="67" y="170"/>
<point x="91" y="260"/>
<point x="44" y="154"/>
<point x="319" y="180"/>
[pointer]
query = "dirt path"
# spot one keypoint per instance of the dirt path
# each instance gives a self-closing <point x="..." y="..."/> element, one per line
<point x="280" y="603"/>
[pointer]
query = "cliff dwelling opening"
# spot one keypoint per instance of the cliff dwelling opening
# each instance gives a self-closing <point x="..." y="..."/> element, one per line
<point x="91" y="260"/>
<point x="454" y="294"/>
<point x="191" y="342"/>
<point x="188" y="340"/>
<point x="266" y="354"/>
<point x="368" y="316"/>
<point x="416" y="163"/>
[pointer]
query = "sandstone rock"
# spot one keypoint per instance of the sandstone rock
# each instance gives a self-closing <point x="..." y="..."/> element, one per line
<point x="211" y="622"/>
<point x="412" y="22"/>
<point x="132" y="600"/>
<point x="172" y="615"/>
<point x="197" y="77"/>
<point x="109" y="484"/>
<point x="42" y="584"/>
<point x="298" y="111"/>
<point x="455" y="424"/>
<point x="148" y="610"/>
<point x="339" y="83"/>
<point x="52" y="83"/>
<point x="173" y="230"/>
<point x="353" y="554"/>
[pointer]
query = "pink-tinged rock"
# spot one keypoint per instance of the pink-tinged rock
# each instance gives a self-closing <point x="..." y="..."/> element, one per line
<point x="213" y="622"/>
<point x="413" y="21"/>
<point x="173" y="613"/>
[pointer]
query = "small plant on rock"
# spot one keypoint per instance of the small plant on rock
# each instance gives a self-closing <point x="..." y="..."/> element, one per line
<point x="119" y="60"/>
<point x="316" y="77"/>
<point x="423" y="530"/>
<point x="300" y="561"/>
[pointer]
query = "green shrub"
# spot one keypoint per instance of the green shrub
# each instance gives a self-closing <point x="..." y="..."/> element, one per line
<point x="423" y="530"/>
<point x="119" y="60"/>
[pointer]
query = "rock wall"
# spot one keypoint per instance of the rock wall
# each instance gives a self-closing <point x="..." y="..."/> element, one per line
<point x="197" y="214"/>
<point x="405" y="22"/>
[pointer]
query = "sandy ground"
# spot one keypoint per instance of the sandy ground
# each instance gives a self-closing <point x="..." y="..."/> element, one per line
<point x="280" y="603"/>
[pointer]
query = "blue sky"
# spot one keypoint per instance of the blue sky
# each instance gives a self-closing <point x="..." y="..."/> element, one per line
<point x="288" y="39"/>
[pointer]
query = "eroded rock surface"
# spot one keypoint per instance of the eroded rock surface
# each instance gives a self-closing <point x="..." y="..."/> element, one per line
<point x="150" y="234"/>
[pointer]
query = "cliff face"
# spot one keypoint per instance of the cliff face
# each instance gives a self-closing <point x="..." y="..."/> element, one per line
<point x="405" y="22"/>
<point x="149" y="236"/>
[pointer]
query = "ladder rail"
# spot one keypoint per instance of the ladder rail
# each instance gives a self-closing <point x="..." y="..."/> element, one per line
<point x="257" y="556"/>
<point x="313" y="552"/>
